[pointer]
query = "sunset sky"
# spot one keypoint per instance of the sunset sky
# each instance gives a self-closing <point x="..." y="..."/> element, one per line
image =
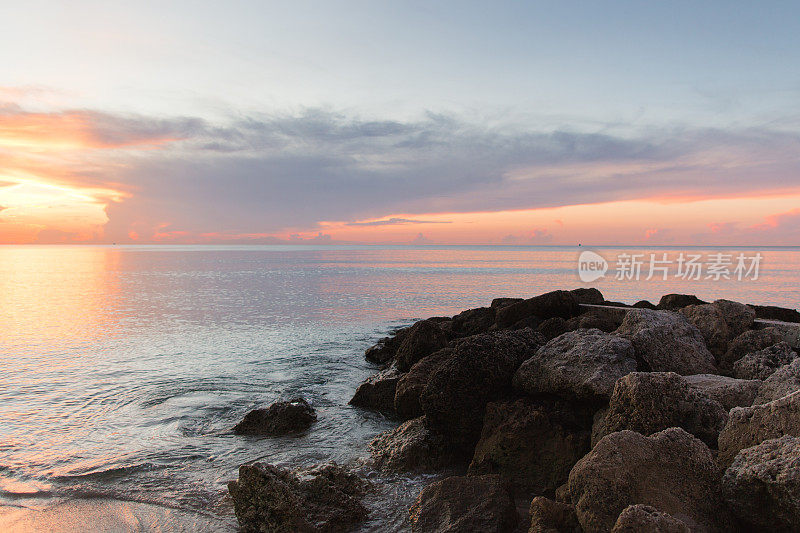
<point x="400" y="122"/>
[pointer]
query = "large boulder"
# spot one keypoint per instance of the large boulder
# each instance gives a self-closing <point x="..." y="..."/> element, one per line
<point x="473" y="321"/>
<point x="738" y="316"/>
<point x="748" y="342"/>
<point x="533" y="444"/>
<point x="422" y="339"/>
<point x="582" y="364"/>
<point x="557" y="303"/>
<point x="280" y="418"/>
<point x="771" y="312"/>
<point x="712" y="325"/>
<point x="647" y="519"/>
<point x="588" y="295"/>
<point x="325" y="498"/>
<point x="378" y="391"/>
<point x="548" y="516"/>
<point x="666" y="342"/>
<point x="503" y="302"/>
<point x="762" y="486"/>
<point x="783" y="381"/>
<point x="749" y="426"/>
<point x="478" y="372"/>
<point x="762" y="364"/>
<point x="410" y="447"/>
<point x="673" y="302"/>
<point x="670" y="470"/>
<point x="412" y="383"/>
<point x="730" y="392"/>
<point x="649" y="402"/>
<point x="458" y="504"/>
<point x="385" y="349"/>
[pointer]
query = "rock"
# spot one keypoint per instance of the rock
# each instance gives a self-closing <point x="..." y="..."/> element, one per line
<point x="670" y="470"/>
<point x="646" y="519"/>
<point x="473" y="321"/>
<point x="479" y="371"/>
<point x="672" y="302"/>
<point x="730" y="392"/>
<point x="761" y="364"/>
<point x="562" y="494"/>
<point x="532" y="322"/>
<point x="749" y="426"/>
<point x="410" y="447"/>
<point x="582" y="364"/>
<point x="615" y="304"/>
<point x="762" y="486"/>
<point x="556" y="303"/>
<point x="666" y="342"/>
<point x="588" y="295"/>
<point x="378" y="391"/>
<point x="552" y="327"/>
<point x="532" y="444"/>
<point x="770" y="312"/>
<point x="503" y="302"/>
<point x="712" y="325"/>
<point x="386" y="348"/>
<point x="279" y="418"/>
<point x="422" y="339"/>
<point x="783" y="381"/>
<point x="599" y="429"/>
<point x="326" y="498"/>
<point x="464" y="504"/>
<point x="749" y="342"/>
<point x="739" y="317"/>
<point x="412" y="383"/>
<point x="644" y="304"/>
<point x="591" y="320"/>
<point x="548" y="516"/>
<point x="650" y="402"/>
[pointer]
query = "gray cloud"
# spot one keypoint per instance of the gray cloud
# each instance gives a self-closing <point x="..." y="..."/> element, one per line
<point x="397" y="222"/>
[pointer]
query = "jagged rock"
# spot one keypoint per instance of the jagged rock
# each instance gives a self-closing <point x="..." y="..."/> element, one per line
<point x="548" y="516"/>
<point x="473" y="321"/>
<point x="503" y="302"/>
<point x="556" y="303"/>
<point x="771" y="312"/>
<point x="738" y="316"/>
<point x="588" y="295"/>
<point x="672" y="302"/>
<point x="730" y="392"/>
<point x="670" y="470"/>
<point x="385" y="349"/>
<point x="412" y="383"/>
<point x="479" y="371"/>
<point x="582" y="364"/>
<point x="762" y="364"/>
<point x="422" y="339"/>
<point x="708" y="318"/>
<point x="749" y="426"/>
<point x="562" y="494"/>
<point x="279" y="418"/>
<point x="650" y="402"/>
<point x="647" y="519"/>
<point x="532" y="444"/>
<point x="591" y="320"/>
<point x="325" y="498"/>
<point x="748" y="342"/>
<point x="599" y="429"/>
<point x="644" y="304"/>
<point x="783" y="381"/>
<point x="464" y="504"/>
<point x="552" y="327"/>
<point x="410" y="447"/>
<point x="666" y="342"/>
<point x="762" y="486"/>
<point x="377" y="392"/>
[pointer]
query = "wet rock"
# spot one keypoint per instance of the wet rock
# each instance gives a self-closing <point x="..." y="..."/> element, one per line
<point x="748" y="342"/>
<point x="557" y="303"/>
<point x="730" y="392"/>
<point x="473" y="321"/>
<point x="591" y="320"/>
<point x="548" y="516"/>
<point x="503" y="302"/>
<point x="385" y="349"/>
<point x="738" y="316"/>
<point x="588" y="295"/>
<point x="666" y="342"/>
<point x="422" y="339"/>
<point x="771" y="312"/>
<point x="325" y="498"/>
<point x="761" y="364"/>
<point x="749" y="426"/>
<point x="670" y="470"/>
<point x="712" y="325"/>
<point x="532" y="444"/>
<point x="280" y="418"/>
<point x="410" y="447"/>
<point x="644" y="304"/>
<point x="672" y="302"/>
<point x="412" y="383"/>
<point x="647" y="519"/>
<point x="378" y="391"/>
<point x="762" y="486"/>
<point x="464" y="504"/>
<point x="552" y="327"/>
<point x="582" y="364"/>
<point x="650" y="402"/>
<point x="783" y="381"/>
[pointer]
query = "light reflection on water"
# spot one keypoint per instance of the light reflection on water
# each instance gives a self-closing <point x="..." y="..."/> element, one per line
<point x="122" y="369"/>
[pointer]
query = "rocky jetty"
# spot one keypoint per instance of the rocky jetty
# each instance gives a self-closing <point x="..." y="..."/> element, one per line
<point x="569" y="413"/>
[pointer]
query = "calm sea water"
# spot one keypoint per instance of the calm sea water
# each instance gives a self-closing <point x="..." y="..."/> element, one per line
<point x="122" y="369"/>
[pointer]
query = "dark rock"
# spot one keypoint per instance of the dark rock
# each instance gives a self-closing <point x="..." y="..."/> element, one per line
<point x="739" y="317"/>
<point x="386" y="348"/>
<point x="532" y="322"/>
<point x="672" y="302"/>
<point x="730" y="392"/>
<point x="552" y="327"/>
<point x="762" y="486"/>
<point x="532" y="444"/>
<point x="748" y="342"/>
<point x="472" y="504"/>
<point x="783" y="381"/>
<point x="615" y="304"/>
<point x="326" y="498"/>
<point x="479" y="371"/>
<point x="378" y="391"/>
<point x="770" y="312"/>
<point x="666" y="342"/>
<point x="410" y="447"/>
<point x="588" y="295"/>
<point x="503" y="302"/>
<point x="279" y="418"/>
<point x="644" y="304"/>
<point x="473" y="321"/>
<point x="646" y="519"/>
<point x="562" y="494"/>
<point x="599" y="429"/>
<point x="412" y="383"/>
<point x="650" y="402"/>
<point x="591" y="320"/>
<point x="749" y="426"/>
<point x="762" y="364"/>
<point x="582" y="364"/>
<point x="670" y="470"/>
<point x="422" y="339"/>
<point x="712" y="325"/>
<point x="548" y="516"/>
<point x="544" y="306"/>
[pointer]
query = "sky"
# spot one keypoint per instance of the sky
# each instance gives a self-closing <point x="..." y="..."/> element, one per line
<point x="566" y="122"/>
